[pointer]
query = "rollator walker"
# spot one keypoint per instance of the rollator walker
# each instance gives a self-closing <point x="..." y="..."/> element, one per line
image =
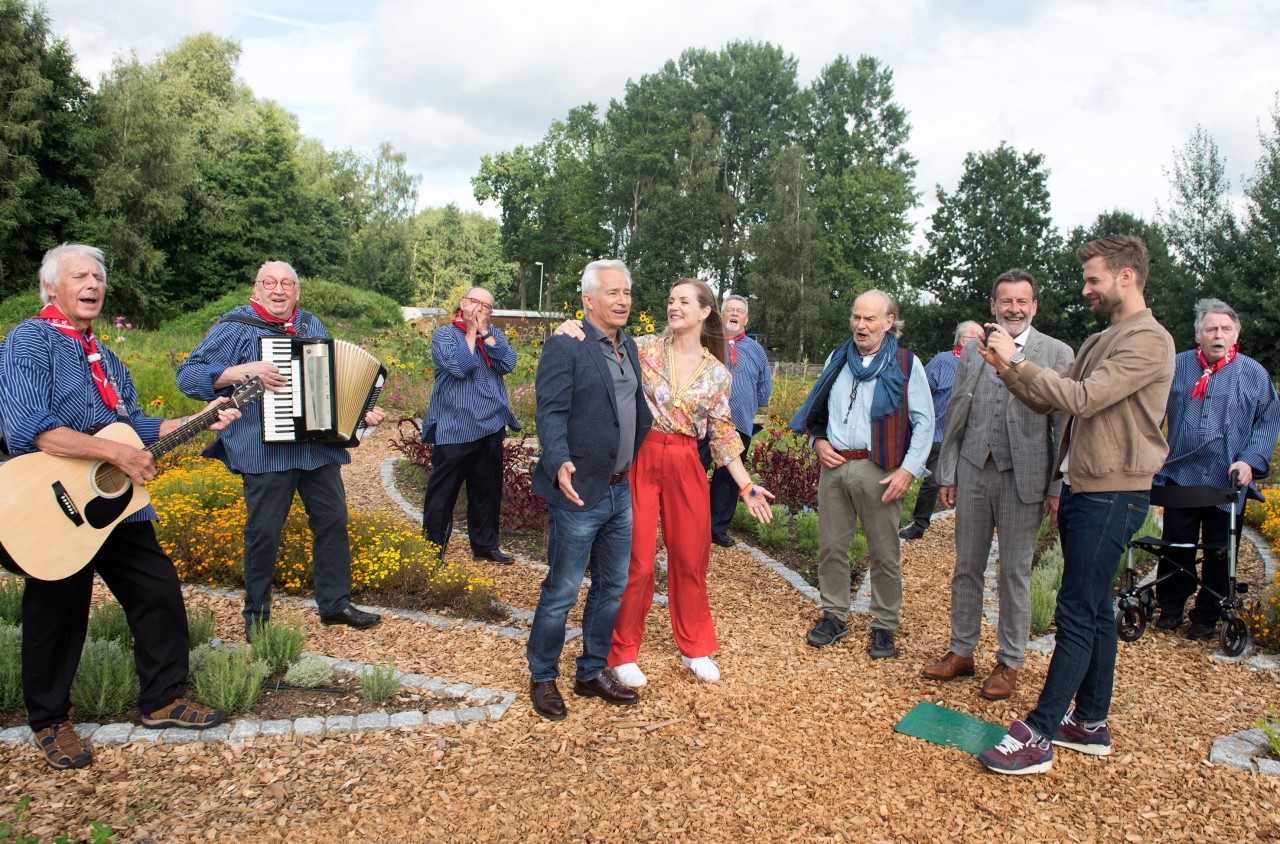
<point x="1137" y="602"/>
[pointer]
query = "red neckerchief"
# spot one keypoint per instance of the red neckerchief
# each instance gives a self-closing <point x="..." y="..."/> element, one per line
<point x="50" y="314"/>
<point x="1202" y="386"/>
<point x="733" y="352"/>
<point x="256" y="304"/>
<point x="957" y="349"/>
<point x="461" y="324"/>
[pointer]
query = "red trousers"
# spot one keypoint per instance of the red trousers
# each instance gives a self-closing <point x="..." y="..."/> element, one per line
<point x="668" y="481"/>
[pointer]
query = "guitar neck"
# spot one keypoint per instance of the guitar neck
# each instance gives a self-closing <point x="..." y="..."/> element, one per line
<point x="247" y="393"/>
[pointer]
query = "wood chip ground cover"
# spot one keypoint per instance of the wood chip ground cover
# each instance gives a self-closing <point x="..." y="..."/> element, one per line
<point x="794" y="744"/>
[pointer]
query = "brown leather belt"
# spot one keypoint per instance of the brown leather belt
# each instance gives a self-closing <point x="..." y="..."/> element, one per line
<point x="618" y="478"/>
<point x="855" y="454"/>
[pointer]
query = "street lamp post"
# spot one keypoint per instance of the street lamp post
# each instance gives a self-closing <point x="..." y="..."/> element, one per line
<point x="541" y="270"/>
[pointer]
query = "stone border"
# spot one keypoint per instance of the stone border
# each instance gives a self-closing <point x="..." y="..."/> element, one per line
<point x="485" y="705"/>
<point x="1247" y="750"/>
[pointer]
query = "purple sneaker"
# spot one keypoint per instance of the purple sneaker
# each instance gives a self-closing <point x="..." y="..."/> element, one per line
<point x="1095" y="741"/>
<point x="1019" y="752"/>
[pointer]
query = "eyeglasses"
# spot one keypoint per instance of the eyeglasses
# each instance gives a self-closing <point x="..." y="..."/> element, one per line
<point x="734" y="311"/>
<point x="478" y="303"/>
<point x="285" y="284"/>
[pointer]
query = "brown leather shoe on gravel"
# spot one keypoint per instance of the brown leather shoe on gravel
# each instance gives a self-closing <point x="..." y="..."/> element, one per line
<point x="62" y="746"/>
<point x="949" y="667"/>
<point x="184" y="713"/>
<point x="1001" y="683"/>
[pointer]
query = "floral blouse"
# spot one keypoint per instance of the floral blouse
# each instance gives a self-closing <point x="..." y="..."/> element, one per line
<point x="703" y="403"/>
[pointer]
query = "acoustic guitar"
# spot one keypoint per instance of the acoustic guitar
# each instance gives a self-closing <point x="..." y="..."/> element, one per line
<point x="55" y="512"/>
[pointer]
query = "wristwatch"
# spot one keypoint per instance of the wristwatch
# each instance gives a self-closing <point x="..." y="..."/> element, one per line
<point x="1017" y="359"/>
<point x="486" y="335"/>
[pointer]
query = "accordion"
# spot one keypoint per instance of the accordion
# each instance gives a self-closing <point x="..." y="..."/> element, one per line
<point x="329" y="386"/>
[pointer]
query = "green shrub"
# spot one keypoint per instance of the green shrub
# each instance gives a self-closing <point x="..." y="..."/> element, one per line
<point x="277" y="645"/>
<point x="10" y="667"/>
<point x="15" y="309"/>
<point x="742" y="519"/>
<point x="1271" y="729"/>
<point x="11" y="589"/>
<point x="107" y="622"/>
<point x="777" y="533"/>
<point x="106" y="683"/>
<point x="909" y="504"/>
<point x="309" y="672"/>
<point x="379" y="683"/>
<point x="199" y="626"/>
<point x="1046" y="580"/>
<point x="858" y="550"/>
<point x="198" y="658"/>
<point x="230" y="681"/>
<point x="807" y="533"/>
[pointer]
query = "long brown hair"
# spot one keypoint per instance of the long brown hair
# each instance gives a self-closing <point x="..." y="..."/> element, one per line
<point x="712" y="337"/>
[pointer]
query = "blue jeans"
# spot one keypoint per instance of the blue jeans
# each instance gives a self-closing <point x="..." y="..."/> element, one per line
<point x="601" y="533"/>
<point x="1095" y="527"/>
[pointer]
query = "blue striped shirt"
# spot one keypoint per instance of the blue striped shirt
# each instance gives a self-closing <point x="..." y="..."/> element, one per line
<point x="469" y="400"/>
<point x="1239" y="419"/>
<point x="46" y="383"/>
<point x="752" y="384"/>
<point x="941" y="372"/>
<point x="240" y="446"/>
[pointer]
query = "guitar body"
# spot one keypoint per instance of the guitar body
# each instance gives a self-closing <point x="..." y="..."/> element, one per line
<point x="55" y="512"/>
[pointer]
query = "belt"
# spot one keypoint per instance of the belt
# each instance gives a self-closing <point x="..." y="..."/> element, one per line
<point x="855" y="454"/>
<point x="618" y="477"/>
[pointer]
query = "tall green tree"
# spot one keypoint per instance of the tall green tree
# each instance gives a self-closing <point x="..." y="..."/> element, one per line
<point x="453" y="251"/>
<point x="43" y="178"/>
<point x="997" y="219"/>
<point x="1198" y="215"/>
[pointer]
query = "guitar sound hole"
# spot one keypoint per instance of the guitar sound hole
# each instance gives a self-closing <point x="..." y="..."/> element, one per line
<point x="109" y="480"/>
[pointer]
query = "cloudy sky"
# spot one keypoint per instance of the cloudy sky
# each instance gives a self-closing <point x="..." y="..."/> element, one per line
<point x="1107" y="91"/>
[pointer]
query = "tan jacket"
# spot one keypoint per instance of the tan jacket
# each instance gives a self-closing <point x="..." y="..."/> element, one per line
<point x="1114" y="397"/>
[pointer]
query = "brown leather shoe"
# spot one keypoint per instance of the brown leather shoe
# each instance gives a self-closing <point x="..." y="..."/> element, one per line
<point x="607" y="689"/>
<point x="1001" y="683"/>
<point x="949" y="667"/>
<point x="546" y="699"/>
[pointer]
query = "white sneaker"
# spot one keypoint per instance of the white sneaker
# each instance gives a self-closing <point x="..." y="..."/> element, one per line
<point x="630" y="675"/>
<point x="703" y="667"/>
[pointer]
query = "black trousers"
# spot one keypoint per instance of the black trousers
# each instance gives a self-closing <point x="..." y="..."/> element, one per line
<point x="55" y="618"/>
<point x="928" y="495"/>
<point x="478" y="464"/>
<point x="1184" y="524"/>
<point x="724" y="489"/>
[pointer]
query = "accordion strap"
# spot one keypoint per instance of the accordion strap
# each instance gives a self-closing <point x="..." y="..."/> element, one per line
<point x="255" y="322"/>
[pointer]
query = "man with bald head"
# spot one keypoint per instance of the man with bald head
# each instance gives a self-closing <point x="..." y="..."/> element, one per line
<point x="273" y="472"/>
<point x="870" y="419"/>
<point x="467" y="422"/>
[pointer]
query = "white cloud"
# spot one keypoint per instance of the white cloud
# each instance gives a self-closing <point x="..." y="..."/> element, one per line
<point x="1105" y="90"/>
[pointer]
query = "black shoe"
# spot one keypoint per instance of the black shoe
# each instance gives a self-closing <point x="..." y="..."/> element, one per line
<point x="882" y="646"/>
<point x="352" y="617"/>
<point x="1169" y="621"/>
<point x="911" y="531"/>
<point x="827" y="631"/>
<point x="494" y="555"/>
<point x="1200" y="632"/>
<point x="724" y="540"/>
<point x="546" y="699"/>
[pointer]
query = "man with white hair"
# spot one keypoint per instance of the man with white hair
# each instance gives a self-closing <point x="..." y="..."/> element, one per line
<point x="1223" y="418"/>
<point x="273" y="472"/>
<point x="751" y="389"/>
<point x="871" y="421"/>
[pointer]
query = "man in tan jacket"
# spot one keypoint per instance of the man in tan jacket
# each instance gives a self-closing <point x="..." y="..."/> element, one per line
<point x="1113" y="398"/>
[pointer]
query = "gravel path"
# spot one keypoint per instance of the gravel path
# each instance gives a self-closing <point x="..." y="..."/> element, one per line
<point x="794" y="744"/>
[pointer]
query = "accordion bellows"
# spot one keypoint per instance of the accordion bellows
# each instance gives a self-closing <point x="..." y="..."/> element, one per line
<point x="330" y="385"/>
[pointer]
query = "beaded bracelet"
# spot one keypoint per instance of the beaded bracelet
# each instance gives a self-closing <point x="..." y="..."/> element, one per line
<point x="748" y="486"/>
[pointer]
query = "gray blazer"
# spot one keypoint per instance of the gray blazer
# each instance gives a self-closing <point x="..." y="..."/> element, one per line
<point x="577" y="416"/>
<point x="1033" y="438"/>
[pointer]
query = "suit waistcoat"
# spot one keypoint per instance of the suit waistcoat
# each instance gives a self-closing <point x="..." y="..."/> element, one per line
<point x="988" y="429"/>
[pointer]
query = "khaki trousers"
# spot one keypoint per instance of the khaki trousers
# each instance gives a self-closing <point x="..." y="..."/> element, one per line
<point x="846" y="494"/>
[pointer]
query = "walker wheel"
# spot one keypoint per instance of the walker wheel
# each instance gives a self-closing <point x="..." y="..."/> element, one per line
<point x="1148" y="602"/>
<point x="1234" y="636"/>
<point x="1130" y="623"/>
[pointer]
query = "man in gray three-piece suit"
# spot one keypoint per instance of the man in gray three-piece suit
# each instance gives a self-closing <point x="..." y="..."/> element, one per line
<point x="996" y="469"/>
<point x="592" y="417"/>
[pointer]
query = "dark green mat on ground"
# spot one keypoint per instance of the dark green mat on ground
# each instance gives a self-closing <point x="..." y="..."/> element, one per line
<point x="949" y="728"/>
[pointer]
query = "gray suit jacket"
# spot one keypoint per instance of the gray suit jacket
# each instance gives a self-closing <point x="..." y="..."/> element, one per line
<point x="1033" y="438"/>
<point x="577" y="416"/>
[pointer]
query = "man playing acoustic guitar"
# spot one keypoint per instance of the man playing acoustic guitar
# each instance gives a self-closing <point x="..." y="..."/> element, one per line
<point x="57" y="387"/>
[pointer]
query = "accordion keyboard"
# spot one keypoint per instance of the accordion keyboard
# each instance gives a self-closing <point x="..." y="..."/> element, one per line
<point x="280" y="408"/>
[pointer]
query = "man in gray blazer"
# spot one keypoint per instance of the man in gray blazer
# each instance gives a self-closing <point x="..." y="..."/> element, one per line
<point x="592" y="417"/>
<point x="996" y="469"/>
